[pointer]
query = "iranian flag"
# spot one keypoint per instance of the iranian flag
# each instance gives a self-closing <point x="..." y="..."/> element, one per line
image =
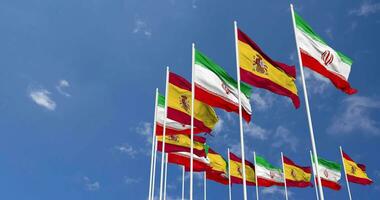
<point x="321" y="58"/>
<point x="172" y="127"/>
<point x="267" y="174"/>
<point x="330" y="173"/>
<point x="216" y="88"/>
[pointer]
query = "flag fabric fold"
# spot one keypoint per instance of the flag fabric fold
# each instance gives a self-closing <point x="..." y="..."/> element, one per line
<point x="182" y="143"/>
<point x="236" y="170"/>
<point x="200" y="163"/>
<point x="267" y="174"/>
<point x="295" y="175"/>
<point x="259" y="70"/>
<point x="218" y="89"/>
<point x="218" y="171"/>
<point x="179" y="105"/>
<point x="356" y="173"/>
<point x="329" y="172"/>
<point x="318" y="56"/>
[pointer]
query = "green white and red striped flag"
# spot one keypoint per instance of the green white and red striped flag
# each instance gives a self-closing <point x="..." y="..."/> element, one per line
<point x="317" y="55"/>
<point x="267" y="174"/>
<point x="329" y="172"/>
<point x="218" y="89"/>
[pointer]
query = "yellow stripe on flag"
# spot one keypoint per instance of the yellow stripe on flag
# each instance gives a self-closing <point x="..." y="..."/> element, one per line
<point x="353" y="169"/>
<point x="247" y="58"/>
<point x="217" y="162"/>
<point x="181" y="140"/>
<point x="296" y="174"/>
<point x="236" y="170"/>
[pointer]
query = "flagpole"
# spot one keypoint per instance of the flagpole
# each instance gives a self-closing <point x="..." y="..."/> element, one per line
<point x="153" y="145"/>
<point x="204" y="186"/>
<point x="154" y="167"/>
<point x="183" y="182"/>
<point x="164" y="134"/>
<point x="283" y="169"/>
<point x="307" y="107"/>
<point x="345" y="174"/>
<point x="166" y="174"/>
<point x="240" y="112"/>
<point x="192" y="120"/>
<point x="229" y="175"/>
<point x="257" y="183"/>
<point x="315" y="181"/>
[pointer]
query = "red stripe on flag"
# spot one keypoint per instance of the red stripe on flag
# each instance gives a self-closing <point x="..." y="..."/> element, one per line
<point x="179" y="81"/>
<point x="170" y="131"/>
<point x="237" y="159"/>
<point x="186" y="119"/>
<point x="290" y="162"/>
<point x="217" y="177"/>
<point x="361" y="181"/>
<point x="169" y="148"/>
<point x="329" y="184"/>
<point x="339" y="82"/>
<point x="237" y="180"/>
<point x="179" y="159"/>
<point x="292" y="183"/>
<point x="267" y="183"/>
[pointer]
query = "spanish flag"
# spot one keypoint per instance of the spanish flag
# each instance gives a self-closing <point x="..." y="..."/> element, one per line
<point x="182" y="143"/>
<point x="356" y="173"/>
<point x="295" y="175"/>
<point x="218" y="171"/>
<point x="259" y="70"/>
<point x="179" y="105"/>
<point x="236" y="170"/>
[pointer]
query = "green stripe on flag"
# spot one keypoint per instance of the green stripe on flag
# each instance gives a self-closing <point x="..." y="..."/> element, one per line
<point x="305" y="27"/>
<point x="329" y="164"/>
<point x="161" y="100"/>
<point x="262" y="162"/>
<point x="207" y="63"/>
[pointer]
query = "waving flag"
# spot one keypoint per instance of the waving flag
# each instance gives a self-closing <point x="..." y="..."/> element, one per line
<point x="218" y="89"/>
<point x="267" y="174"/>
<point x="200" y="163"/>
<point x="330" y="173"/>
<point x="295" y="175"/>
<point x="259" y="70"/>
<point x="179" y="143"/>
<point x="218" y="171"/>
<point x="172" y="127"/>
<point x="356" y="173"/>
<point x="179" y="105"/>
<point x="236" y="169"/>
<point x="321" y="58"/>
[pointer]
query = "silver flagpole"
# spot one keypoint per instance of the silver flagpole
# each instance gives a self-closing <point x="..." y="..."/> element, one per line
<point x="153" y="147"/>
<point x="164" y="134"/>
<point x="229" y="175"/>
<point x="283" y="169"/>
<point x="240" y="112"/>
<point x="345" y="174"/>
<point x="166" y="174"/>
<point x="204" y="186"/>
<point x="192" y="120"/>
<point x="257" y="182"/>
<point x="183" y="182"/>
<point x="154" y="167"/>
<point x="307" y="107"/>
<point x="315" y="181"/>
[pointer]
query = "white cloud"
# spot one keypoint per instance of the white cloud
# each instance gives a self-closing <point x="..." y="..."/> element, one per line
<point x="275" y="191"/>
<point x="329" y="33"/>
<point x="62" y="84"/>
<point x="194" y="4"/>
<point x="41" y="97"/>
<point x="142" y="28"/>
<point x="127" y="149"/>
<point x="315" y="83"/>
<point x="145" y="129"/>
<point x="283" y="137"/>
<point x="356" y="116"/>
<point x="262" y="101"/>
<point x="91" y="185"/>
<point x="219" y="126"/>
<point x="255" y="131"/>
<point x="129" y="180"/>
<point x="366" y="8"/>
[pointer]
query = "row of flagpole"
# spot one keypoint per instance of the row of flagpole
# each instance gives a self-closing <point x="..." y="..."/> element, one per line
<point x="154" y="142"/>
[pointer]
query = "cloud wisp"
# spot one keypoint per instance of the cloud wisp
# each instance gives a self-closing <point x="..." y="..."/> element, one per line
<point x="366" y="8"/>
<point x="127" y="149"/>
<point x="62" y="85"/>
<point x="42" y="98"/>
<point x="141" y="27"/>
<point x="91" y="185"/>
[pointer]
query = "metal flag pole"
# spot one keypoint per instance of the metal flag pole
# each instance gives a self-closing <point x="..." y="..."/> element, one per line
<point x="153" y="147"/>
<point x="192" y="120"/>
<point x="307" y="107"/>
<point x="164" y="134"/>
<point x="283" y="169"/>
<point x="154" y="167"/>
<point x="345" y="174"/>
<point x="166" y="174"/>
<point x="240" y="112"/>
<point x="204" y="186"/>
<point x="183" y="182"/>
<point x="315" y="181"/>
<point x="229" y="174"/>
<point x="257" y="183"/>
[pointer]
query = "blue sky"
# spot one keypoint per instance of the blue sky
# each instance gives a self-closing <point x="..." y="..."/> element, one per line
<point x="77" y="88"/>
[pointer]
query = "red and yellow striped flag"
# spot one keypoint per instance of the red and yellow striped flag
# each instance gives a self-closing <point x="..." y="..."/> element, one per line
<point x="218" y="171"/>
<point x="236" y="170"/>
<point x="295" y="175"/>
<point x="179" y="105"/>
<point x="356" y="173"/>
<point x="259" y="70"/>
<point x="182" y="143"/>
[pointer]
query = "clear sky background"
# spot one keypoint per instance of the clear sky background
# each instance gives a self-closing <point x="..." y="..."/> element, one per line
<point x="77" y="82"/>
